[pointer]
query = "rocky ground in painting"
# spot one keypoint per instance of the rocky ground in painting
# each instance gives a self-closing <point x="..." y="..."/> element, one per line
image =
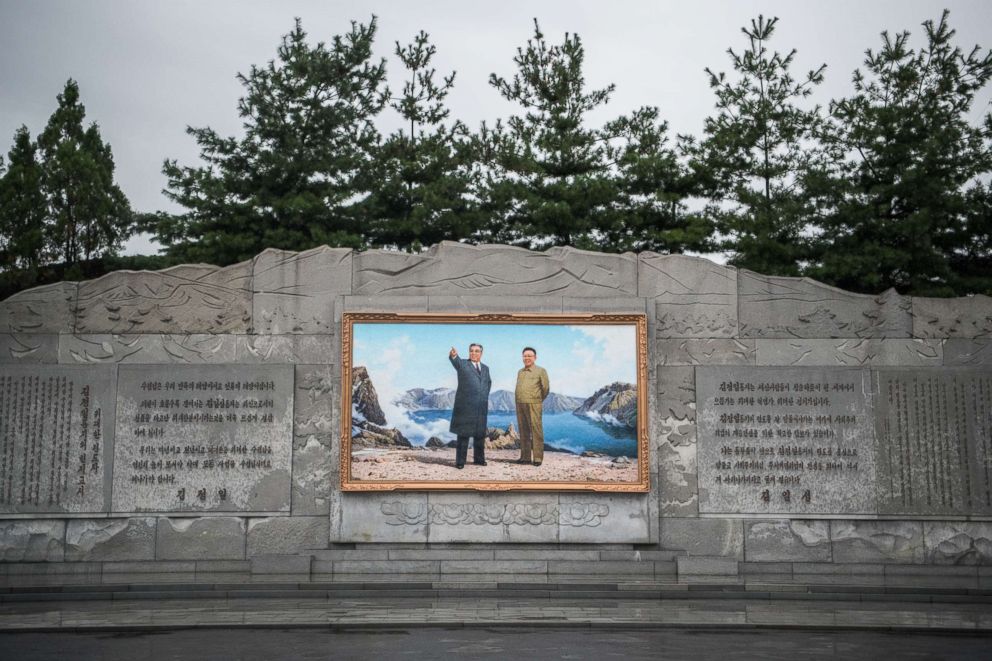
<point x="427" y="464"/>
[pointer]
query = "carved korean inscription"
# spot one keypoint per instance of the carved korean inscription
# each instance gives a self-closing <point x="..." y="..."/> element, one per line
<point x="784" y="441"/>
<point x="55" y="438"/>
<point x="934" y="431"/>
<point x="204" y="438"/>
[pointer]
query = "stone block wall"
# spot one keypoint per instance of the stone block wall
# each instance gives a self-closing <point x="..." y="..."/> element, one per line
<point x="284" y="308"/>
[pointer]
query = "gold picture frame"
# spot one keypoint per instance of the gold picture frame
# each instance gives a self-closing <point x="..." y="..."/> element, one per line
<point x="639" y="484"/>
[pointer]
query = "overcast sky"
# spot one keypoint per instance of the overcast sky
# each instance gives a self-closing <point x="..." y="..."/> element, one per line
<point x="147" y="69"/>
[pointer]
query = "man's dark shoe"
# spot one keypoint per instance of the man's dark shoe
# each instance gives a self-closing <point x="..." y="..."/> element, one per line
<point x="459" y="466"/>
<point x="537" y="463"/>
<point x="480" y="463"/>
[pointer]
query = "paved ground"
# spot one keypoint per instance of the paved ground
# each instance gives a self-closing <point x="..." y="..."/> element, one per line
<point x="481" y="643"/>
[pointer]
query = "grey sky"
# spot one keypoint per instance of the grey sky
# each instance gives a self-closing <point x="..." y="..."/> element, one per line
<point x="148" y="69"/>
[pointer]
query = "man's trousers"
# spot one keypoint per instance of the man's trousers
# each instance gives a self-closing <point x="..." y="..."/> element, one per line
<point x="529" y="419"/>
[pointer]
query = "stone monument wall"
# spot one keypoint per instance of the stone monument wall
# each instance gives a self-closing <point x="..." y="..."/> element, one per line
<point x="190" y="415"/>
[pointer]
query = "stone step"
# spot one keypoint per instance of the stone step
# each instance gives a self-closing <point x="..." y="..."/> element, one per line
<point x="498" y="553"/>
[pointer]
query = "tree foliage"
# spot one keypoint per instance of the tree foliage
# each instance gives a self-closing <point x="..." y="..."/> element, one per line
<point x="294" y="179"/>
<point x="89" y="215"/>
<point x="421" y="179"/>
<point x="756" y="153"/>
<point x="903" y="207"/>
<point x="23" y="209"/>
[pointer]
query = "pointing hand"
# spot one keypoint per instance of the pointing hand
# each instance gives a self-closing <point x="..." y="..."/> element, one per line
<point x="453" y="353"/>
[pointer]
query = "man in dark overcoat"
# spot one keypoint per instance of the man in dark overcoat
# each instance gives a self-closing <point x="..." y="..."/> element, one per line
<point x="468" y="419"/>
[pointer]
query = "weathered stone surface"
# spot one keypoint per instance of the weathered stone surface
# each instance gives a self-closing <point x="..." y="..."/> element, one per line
<point x="787" y="540"/>
<point x="298" y="565"/>
<point x="877" y="541"/>
<point x="110" y="539"/>
<point x="295" y="292"/>
<point x="499" y="517"/>
<point x="777" y="307"/>
<point x="241" y="464"/>
<point x="314" y="438"/>
<point x="46" y="309"/>
<point x="470" y="304"/>
<point x="393" y="517"/>
<point x="678" y="490"/>
<point x="708" y="537"/>
<point x="182" y="299"/>
<point x="589" y="518"/>
<point x="967" y="352"/>
<point x="285" y="349"/>
<point x="410" y="303"/>
<point x="704" y="352"/>
<point x="287" y="534"/>
<point x="966" y="317"/>
<point x="694" y="566"/>
<point x="56" y="423"/>
<point x="849" y="352"/>
<point x="611" y="305"/>
<point x="41" y="540"/>
<point x="693" y="297"/>
<point x="147" y="348"/>
<point x="29" y="348"/>
<point x="205" y="538"/>
<point x="958" y="542"/>
<point x="676" y="388"/>
<point x="934" y="440"/>
<point x="809" y="429"/>
<point x="459" y="269"/>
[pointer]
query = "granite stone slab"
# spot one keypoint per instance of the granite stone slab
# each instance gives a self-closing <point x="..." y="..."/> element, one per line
<point x="787" y="540"/>
<point x="849" y="352"/>
<point x="610" y="305"/>
<point x="205" y="538"/>
<point x="204" y="438"/>
<point x="693" y="297"/>
<point x="295" y="292"/>
<point x="965" y="317"/>
<point x="315" y="432"/>
<point x="934" y="431"/>
<point x="877" y="541"/>
<point x="287" y="534"/>
<point x="379" y="517"/>
<point x="481" y="304"/>
<point x="958" y="542"/>
<point x="590" y="518"/>
<point x="460" y="269"/>
<point x="695" y="566"/>
<point x="193" y="348"/>
<point x="678" y="486"/>
<point x="704" y="537"/>
<point x="181" y="299"/>
<point x="704" y="352"/>
<point x="676" y="392"/>
<point x="380" y="303"/>
<point x="92" y="540"/>
<point x="29" y="348"/>
<point x="499" y="517"/>
<point x="41" y="540"/>
<point x="45" y="309"/>
<point x="57" y="433"/>
<point x="785" y="440"/>
<point x="297" y="348"/>
<point x="968" y="352"/>
<point x="780" y="307"/>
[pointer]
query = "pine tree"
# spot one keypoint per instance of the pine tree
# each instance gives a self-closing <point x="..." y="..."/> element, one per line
<point x="293" y="180"/>
<point x="89" y="214"/>
<point x="421" y="179"/>
<point x="550" y="182"/>
<point x="756" y="153"/>
<point x="898" y="208"/>
<point x="650" y="211"/>
<point x="23" y="208"/>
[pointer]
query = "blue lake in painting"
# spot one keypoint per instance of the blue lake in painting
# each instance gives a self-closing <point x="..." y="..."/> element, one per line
<point x="562" y="430"/>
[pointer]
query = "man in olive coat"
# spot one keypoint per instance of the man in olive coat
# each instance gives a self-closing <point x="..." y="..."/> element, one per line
<point x="468" y="419"/>
<point x="532" y="389"/>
